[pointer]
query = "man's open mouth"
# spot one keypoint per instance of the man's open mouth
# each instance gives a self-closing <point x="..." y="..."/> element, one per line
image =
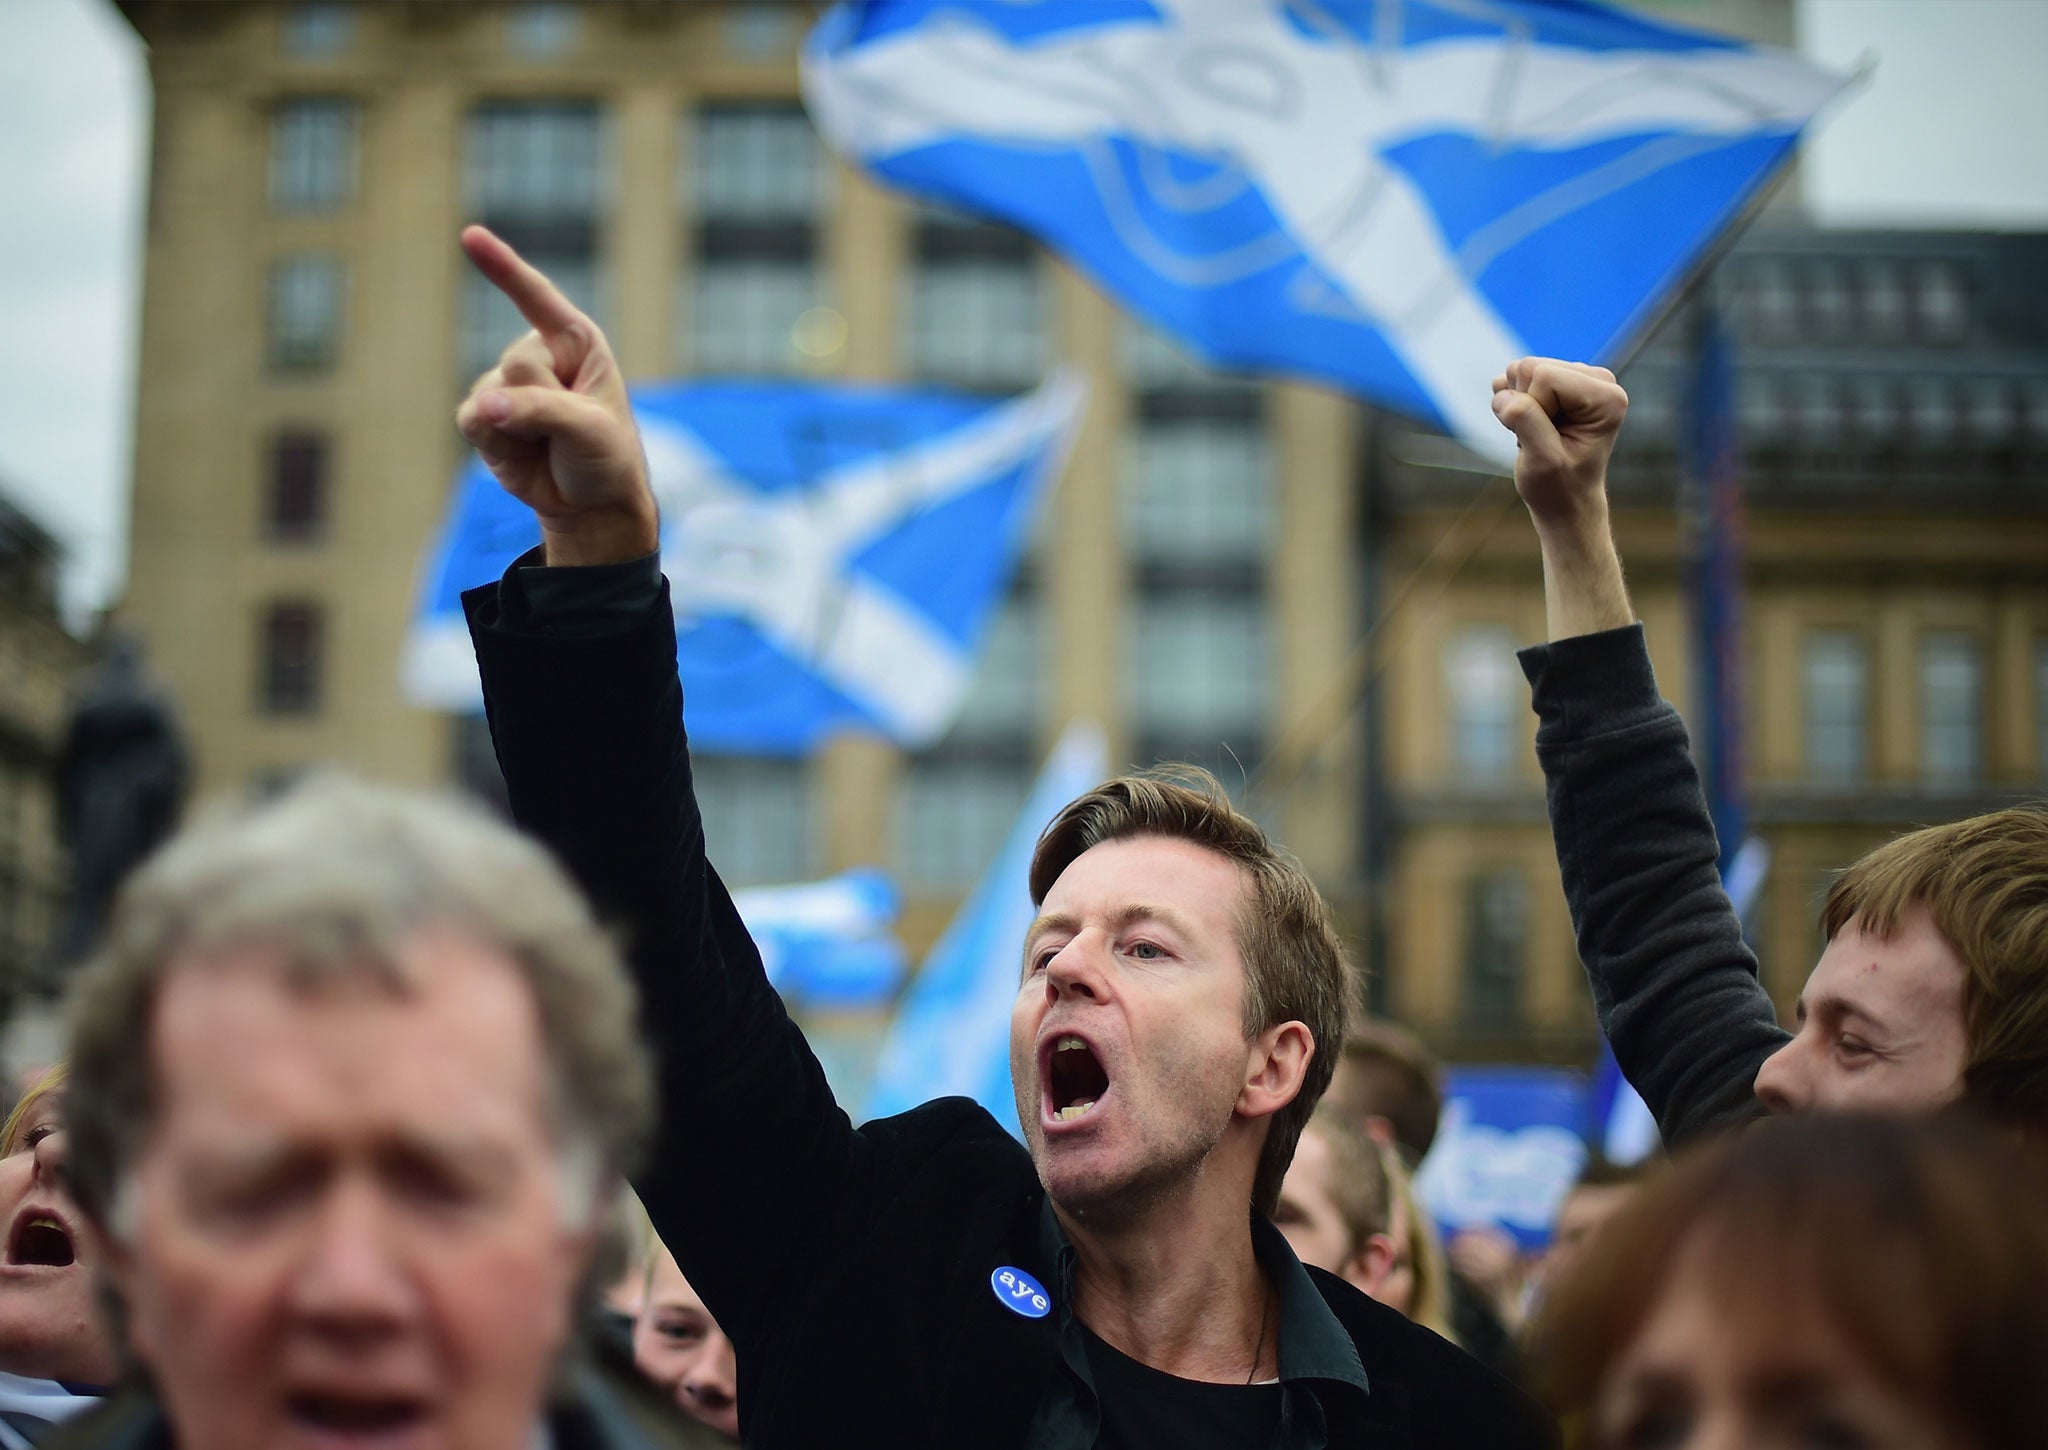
<point x="1074" y="1079"/>
<point x="349" y="1415"/>
<point x="42" y="1240"/>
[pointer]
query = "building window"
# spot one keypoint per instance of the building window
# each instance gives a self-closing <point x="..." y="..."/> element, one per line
<point x="1993" y="415"/>
<point x="534" y="174"/>
<point x="755" y="162"/>
<point x="1485" y="692"/>
<point x="295" y="500"/>
<point x="1943" y="298"/>
<point x="1198" y="668"/>
<point x="1496" y="943"/>
<point x="1200" y="491"/>
<point x="744" y="314"/>
<point x="1951" y="707"/>
<point x="293" y="645"/>
<point x="975" y="321"/>
<point x="1770" y="301"/>
<point x="304" y="313"/>
<point x="756" y="187"/>
<point x="1834" y="687"/>
<point x="1884" y="303"/>
<point x="757" y="818"/>
<point x="761" y="30"/>
<point x="1002" y="702"/>
<point x="951" y="817"/>
<point x="1935" y="417"/>
<point x="535" y="162"/>
<point x="317" y="32"/>
<point x="312" y="155"/>
<point x="543" y="31"/>
<point x="1829" y="304"/>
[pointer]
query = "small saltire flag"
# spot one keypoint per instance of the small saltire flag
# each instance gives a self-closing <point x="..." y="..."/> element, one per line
<point x="1396" y="196"/>
<point x="951" y="1034"/>
<point x="833" y="553"/>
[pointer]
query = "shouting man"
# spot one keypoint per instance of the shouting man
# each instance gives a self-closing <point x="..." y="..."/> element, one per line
<point x="925" y="1281"/>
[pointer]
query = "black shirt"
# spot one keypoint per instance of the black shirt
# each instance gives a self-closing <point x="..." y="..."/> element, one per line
<point x="1085" y="1410"/>
<point x="1147" y="1409"/>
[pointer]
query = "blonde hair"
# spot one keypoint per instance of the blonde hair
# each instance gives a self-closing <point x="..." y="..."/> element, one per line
<point x="1430" y="1304"/>
<point x="50" y="1080"/>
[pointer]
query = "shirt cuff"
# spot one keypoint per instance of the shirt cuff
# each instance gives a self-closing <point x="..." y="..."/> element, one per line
<point x="577" y="602"/>
<point x="1591" y="682"/>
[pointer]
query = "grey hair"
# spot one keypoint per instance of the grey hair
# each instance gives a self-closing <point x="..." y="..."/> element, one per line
<point x="336" y="875"/>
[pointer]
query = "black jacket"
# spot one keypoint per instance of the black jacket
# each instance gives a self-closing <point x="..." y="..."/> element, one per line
<point x="851" y="1268"/>
<point x="1673" y="981"/>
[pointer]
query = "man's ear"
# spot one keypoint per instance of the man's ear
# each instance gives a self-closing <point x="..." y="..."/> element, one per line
<point x="1274" y="1069"/>
<point x="1367" y="1269"/>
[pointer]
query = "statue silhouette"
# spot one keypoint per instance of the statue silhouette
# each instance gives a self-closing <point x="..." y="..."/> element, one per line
<point x="121" y="783"/>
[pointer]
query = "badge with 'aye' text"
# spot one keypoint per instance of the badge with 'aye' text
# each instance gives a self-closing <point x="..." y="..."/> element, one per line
<point x="1019" y="1293"/>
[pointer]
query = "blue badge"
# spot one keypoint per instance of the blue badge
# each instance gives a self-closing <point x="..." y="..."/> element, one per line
<point x="1019" y="1293"/>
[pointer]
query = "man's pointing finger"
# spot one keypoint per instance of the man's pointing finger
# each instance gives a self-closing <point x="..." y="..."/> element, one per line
<point x="561" y="325"/>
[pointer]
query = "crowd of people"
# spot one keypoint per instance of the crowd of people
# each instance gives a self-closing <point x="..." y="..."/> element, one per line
<point x="357" y="1080"/>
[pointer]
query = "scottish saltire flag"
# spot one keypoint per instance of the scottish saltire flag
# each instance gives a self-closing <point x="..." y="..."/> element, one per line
<point x="833" y="553"/>
<point x="952" y="1032"/>
<point x="1395" y="196"/>
<point x="828" y="944"/>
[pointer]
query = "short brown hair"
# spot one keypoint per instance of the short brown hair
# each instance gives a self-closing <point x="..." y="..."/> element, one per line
<point x="1832" y="1224"/>
<point x="1386" y="1072"/>
<point x="1984" y="882"/>
<point x="1295" y="968"/>
<point x="1358" y="1176"/>
<point x="337" y="875"/>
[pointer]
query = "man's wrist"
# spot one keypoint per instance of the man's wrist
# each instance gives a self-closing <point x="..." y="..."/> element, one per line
<point x="603" y="539"/>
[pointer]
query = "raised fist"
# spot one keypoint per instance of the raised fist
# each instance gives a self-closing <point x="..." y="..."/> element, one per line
<point x="1565" y="417"/>
<point x="552" y="423"/>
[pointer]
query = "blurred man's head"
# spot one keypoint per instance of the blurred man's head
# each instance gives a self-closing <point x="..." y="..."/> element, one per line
<point x="1336" y="1207"/>
<point x="351" y="1076"/>
<point x="1934" y="983"/>
<point x="1603" y="1188"/>
<point x="1392" y="1086"/>
<point x="679" y="1346"/>
<point x="1181" y="984"/>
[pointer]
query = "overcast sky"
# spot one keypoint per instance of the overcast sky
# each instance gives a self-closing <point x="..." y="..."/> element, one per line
<point x="1952" y="131"/>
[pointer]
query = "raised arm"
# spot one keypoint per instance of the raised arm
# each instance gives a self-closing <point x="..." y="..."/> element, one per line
<point x="580" y="685"/>
<point x="1673" y="982"/>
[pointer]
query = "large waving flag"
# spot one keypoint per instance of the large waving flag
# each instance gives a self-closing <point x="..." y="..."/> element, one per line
<point x="834" y="553"/>
<point x="952" y="1031"/>
<point x="1396" y="196"/>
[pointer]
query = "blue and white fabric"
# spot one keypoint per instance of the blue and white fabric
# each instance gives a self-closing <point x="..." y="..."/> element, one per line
<point x="1396" y="196"/>
<point x="1507" y="1150"/>
<point x="31" y="1408"/>
<point x="834" y="553"/>
<point x="951" y="1035"/>
<point x="831" y="943"/>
